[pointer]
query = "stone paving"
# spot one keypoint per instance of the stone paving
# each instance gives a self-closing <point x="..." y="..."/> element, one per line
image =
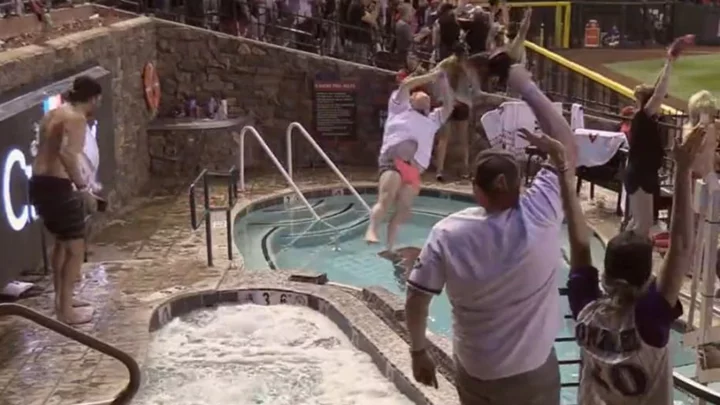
<point x="137" y="262"/>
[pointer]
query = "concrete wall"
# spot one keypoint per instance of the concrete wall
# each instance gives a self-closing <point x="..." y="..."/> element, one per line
<point x="122" y="48"/>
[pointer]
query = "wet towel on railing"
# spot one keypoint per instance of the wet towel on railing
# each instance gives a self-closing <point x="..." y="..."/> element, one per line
<point x="90" y="160"/>
<point x="516" y="115"/>
<point x="595" y="148"/>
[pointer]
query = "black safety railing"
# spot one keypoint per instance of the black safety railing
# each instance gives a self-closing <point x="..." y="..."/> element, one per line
<point x="321" y="33"/>
<point x="197" y="219"/>
<point x="133" y="385"/>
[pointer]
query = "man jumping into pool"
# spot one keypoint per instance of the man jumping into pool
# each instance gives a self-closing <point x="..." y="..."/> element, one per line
<point x="406" y="149"/>
<point x="61" y="193"/>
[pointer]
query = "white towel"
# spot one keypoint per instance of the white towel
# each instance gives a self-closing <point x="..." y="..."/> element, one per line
<point x="492" y="124"/>
<point x="516" y="115"/>
<point x="595" y="148"/>
<point x="90" y="161"/>
<point x="577" y="116"/>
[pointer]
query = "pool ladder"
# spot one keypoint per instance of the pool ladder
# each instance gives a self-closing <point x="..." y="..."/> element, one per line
<point x="287" y="174"/>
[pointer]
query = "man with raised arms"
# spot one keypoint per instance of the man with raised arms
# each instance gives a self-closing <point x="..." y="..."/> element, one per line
<point x="406" y="149"/>
<point x="61" y="194"/>
<point x="499" y="262"/>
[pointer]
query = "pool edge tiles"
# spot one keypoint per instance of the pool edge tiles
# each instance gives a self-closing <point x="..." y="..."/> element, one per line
<point x="367" y="332"/>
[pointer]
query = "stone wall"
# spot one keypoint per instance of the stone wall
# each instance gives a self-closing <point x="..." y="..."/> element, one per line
<point x="123" y="49"/>
<point x="271" y="84"/>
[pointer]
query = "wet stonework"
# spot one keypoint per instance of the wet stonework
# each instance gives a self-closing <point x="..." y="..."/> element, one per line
<point x="149" y="255"/>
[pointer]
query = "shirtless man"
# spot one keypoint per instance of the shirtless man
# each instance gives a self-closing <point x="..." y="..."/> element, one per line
<point x="61" y="194"/>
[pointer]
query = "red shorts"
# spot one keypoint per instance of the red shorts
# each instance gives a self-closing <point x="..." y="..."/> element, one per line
<point x="408" y="173"/>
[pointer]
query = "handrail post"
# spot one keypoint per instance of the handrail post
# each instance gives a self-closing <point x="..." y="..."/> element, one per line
<point x="275" y="161"/>
<point x="208" y="224"/>
<point x="240" y="139"/>
<point x="228" y="215"/>
<point x="288" y="146"/>
<point x="326" y="158"/>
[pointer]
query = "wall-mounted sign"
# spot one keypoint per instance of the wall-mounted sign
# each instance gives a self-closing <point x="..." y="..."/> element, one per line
<point x="335" y="108"/>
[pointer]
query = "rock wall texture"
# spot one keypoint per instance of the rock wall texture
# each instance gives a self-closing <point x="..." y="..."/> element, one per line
<point x="122" y="48"/>
<point x="273" y="85"/>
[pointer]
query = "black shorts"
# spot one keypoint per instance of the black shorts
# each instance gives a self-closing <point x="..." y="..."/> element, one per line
<point x="646" y="180"/>
<point x="59" y="205"/>
<point x="461" y="112"/>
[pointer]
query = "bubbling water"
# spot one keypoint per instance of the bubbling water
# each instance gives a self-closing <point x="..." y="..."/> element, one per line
<point x="252" y="354"/>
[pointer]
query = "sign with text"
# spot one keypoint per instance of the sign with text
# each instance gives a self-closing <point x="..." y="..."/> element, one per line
<point x="20" y="231"/>
<point x="335" y="108"/>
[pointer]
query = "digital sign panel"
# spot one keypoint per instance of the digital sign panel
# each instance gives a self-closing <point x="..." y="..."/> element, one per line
<point x="20" y="232"/>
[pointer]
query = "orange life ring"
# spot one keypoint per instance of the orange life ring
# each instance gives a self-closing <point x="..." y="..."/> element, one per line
<point x="151" y="83"/>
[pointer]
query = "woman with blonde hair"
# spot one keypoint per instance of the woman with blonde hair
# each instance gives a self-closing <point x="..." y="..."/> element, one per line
<point x="702" y="108"/>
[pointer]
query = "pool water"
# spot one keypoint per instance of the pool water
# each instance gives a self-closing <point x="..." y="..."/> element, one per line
<point x="251" y="355"/>
<point x="286" y="236"/>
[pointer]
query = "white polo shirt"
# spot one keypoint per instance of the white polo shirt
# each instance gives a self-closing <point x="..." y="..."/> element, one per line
<point x="501" y="276"/>
<point x="405" y="123"/>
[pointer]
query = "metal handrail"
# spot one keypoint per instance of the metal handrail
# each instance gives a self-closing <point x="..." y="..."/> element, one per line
<point x="694" y="388"/>
<point x="132" y="386"/>
<point x="205" y="175"/>
<point x="240" y="139"/>
<point x="326" y="158"/>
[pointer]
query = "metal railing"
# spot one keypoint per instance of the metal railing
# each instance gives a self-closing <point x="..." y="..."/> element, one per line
<point x="567" y="81"/>
<point x="206" y="177"/>
<point x="69" y="332"/>
<point x="326" y="158"/>
<point x="240" y="139"/>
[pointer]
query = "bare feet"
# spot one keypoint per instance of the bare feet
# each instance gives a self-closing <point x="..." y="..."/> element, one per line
<point x="371" y="237"/>
<point x="76" y="303"/>
<point x="77" y="316"/>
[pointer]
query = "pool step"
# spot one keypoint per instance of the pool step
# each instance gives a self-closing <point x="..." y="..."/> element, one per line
<point x="291" y="215"/>
<point x="348" y="225"/>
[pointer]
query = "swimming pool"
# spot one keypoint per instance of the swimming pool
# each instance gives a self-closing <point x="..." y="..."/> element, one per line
<point x="286" y="236"/>
<point x="254" y="354"/>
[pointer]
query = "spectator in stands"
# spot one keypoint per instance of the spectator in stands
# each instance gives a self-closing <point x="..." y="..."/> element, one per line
<point x="361" y="23"/>
<point x="646" y="148"/>
<point x="403" y="31"/>
<point x="446" y="33"/>
<point x="478" y="27"/>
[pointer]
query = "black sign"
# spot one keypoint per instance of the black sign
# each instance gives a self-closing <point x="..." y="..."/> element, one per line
<point x="19" y="118"/>
<point x="335" y="108"/>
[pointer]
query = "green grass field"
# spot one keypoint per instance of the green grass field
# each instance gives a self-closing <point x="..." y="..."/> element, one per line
<point x="689" y="74"/>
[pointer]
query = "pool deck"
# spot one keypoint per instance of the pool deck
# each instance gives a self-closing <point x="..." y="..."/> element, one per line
<point x="143" y="257"/>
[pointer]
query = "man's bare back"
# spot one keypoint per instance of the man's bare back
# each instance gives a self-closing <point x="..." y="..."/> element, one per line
<point x="52" y="129"/>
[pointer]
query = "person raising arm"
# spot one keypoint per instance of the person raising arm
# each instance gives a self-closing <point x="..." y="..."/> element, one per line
<point x="637" y="311"/>
<point x="646" y="147"/>
<point x="516" y="48"/>
<point x="406" y="149"/>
